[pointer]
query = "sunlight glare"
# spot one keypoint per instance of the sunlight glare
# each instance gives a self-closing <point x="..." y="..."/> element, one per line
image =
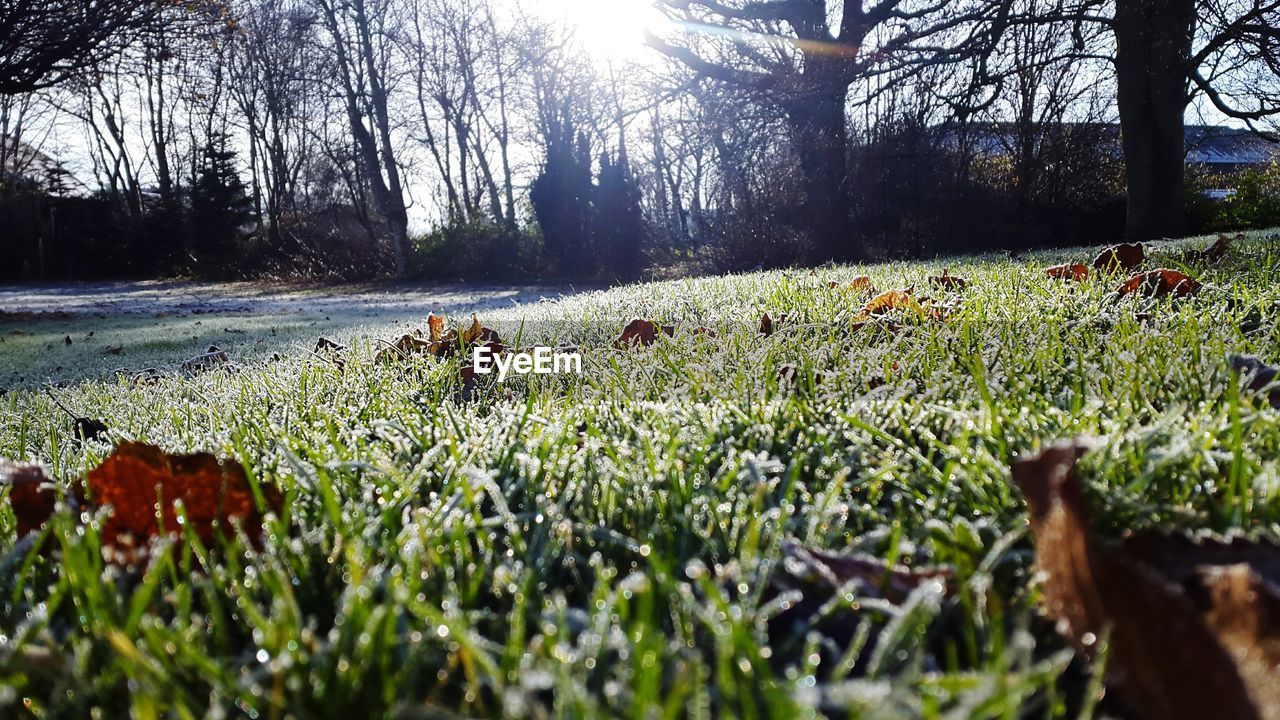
<point x="612" y="29"/>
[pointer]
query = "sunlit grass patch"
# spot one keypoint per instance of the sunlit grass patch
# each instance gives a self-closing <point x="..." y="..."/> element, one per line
<point x="607" y="544"/>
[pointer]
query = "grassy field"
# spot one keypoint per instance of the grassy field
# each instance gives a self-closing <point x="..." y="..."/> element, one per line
<point x="614" y="544"/>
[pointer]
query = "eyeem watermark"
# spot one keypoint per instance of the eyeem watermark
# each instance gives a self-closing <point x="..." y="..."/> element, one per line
<point x="541" y="361"/>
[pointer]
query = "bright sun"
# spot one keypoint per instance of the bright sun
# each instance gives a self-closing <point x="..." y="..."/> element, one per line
<point x="611" y="29"/>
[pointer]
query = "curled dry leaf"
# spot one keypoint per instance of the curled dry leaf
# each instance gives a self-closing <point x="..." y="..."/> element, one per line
<point x="212" y="358"/>
<point x="32" y="495"/>
<point x="1125" y="256"/>
<point x="438" y="342"/>
<point x="1214" y="254"/>
<point x="889" y="301"/>
<point x="1260" y="376"/>
<point x="871" y="576"/>
<point x="477" y="333"/>
<point x="768" y="324"/>
<point x="1160" y="283"/>
<point x="84" y="428"/>
<point x="860" y="283"/>
<point x="947" y="281"/>
<point x="90" y="429"/>
<point x="1076" y="272"/>
<point x="324" y="344"/>
<point x="1192" y="633"/>
<point x="141" y="481"/>
<point x="435" y="327"/>
<point x="643" y="333"/>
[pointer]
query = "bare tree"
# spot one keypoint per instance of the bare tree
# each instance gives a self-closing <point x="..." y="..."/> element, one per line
<point x="362" y="53"/>
<point x="43" y="43"/>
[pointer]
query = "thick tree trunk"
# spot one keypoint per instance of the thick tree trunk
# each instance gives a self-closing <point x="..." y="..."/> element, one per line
<point x="817" y="124"/>
<point x="1153" y="47"/>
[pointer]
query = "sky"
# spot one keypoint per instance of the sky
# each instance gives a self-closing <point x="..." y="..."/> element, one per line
<point x="611" y="30"/>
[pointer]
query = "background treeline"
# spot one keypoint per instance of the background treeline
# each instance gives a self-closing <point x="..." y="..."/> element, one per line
<point x="471" y="138"/>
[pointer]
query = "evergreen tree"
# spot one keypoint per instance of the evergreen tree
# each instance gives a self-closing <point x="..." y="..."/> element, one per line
<point x="561" y="197"/>
<point x="220" y="208"/>
<point x="619" y="219"/>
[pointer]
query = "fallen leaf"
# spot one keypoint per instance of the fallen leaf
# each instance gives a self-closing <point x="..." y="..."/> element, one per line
<point x="1125" y="256"/>
<point x="768" y="324"/>
<point x="1213" y="254"/>
<point x="212" y="358"/>
<point x="435" y="328"/>
<point x="114" y="350"/>
<point x="889" y="301"/>
<point x="642" y="333"/>
<point x="861" y="282"/>
<point x="473" y="333"/>
<point x="84" y="428"/>
<point x="1199" y="643"/>
<point x="1261" y="376"/>
<point x="869" y="576"/>
<point x="68" y="340"/>
<point x="140" y="481"/>
<point x="90" y="429"/>
<point x="947" y="281"/>
<point x="32" y="494"/>
<point x="1076" y="272"/>
<point x="1159" y="283"/>
<point x="324" y="344"/>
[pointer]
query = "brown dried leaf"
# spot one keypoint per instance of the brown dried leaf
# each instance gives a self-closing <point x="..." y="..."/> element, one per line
<point x="860" y="283"/>
<point x="1203" y="647"/>
<point x="32" y="494"/>
<point x="767" y="323"/>
<point x="1261" y="376"/>
<point x="1076" y="272"/>
<point x="1125" y="256"/>
<point x="324" y="344"/>
<point x="213" y="358"/>
<point x="90" y="429"/>
<point x="947" y="281"/>
<point x="1214" y="254"/>
<point x="873" y="577"/>
<point x="643" y="333"/>
<point x="472" y="334"/>
<point x="1159" y="283"/>
<point x="140" y="482"/>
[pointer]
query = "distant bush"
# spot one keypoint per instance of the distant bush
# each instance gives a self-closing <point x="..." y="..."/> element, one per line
<point x="478" y="251"/>
<point x="1255" y="203"/>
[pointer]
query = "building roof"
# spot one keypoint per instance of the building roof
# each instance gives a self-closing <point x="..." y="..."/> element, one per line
<point x="1218" y="145"/>
<point x="22" y="160"/>
<point x="1211" y="145"/>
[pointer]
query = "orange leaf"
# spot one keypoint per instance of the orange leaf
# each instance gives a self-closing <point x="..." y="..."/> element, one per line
<point x="861" y="282"/>
<point x="435" y="328"/>
<point x="889" y="301"/>
<point x="1125" y="256"/>
<point x="643" y="333"/>
<point x="1076" y="272"/>
<point x="137" y="478"/>
<point x="1192" y="631"/>
<point x="1159" y="283"/>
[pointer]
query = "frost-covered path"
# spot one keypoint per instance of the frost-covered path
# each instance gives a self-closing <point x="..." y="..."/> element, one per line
<point x="180" y="297"/>
<point x="66" y="333"/>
